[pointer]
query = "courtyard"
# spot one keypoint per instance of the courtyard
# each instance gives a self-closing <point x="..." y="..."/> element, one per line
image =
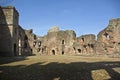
<point x="64" y="67"/>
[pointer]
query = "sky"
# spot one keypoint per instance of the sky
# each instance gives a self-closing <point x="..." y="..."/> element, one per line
<point x="82" y="16"/>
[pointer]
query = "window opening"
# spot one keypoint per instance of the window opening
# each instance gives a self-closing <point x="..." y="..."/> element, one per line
<point x="26" y="38"/>
<point x="39" y="43"/>
<point x="107" y="36"/>
<point x="83" y="39"/>
<point x="38" y="50"/>
<point x="34" y="43"/>
<point x="63" y="42"/>
<point x="15" y="49"/>
<point x="25" y="44"/>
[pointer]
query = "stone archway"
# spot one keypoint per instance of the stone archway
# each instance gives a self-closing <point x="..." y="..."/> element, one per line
<point x="79" y="50"/>
<point x="62" y="52"/>
<point x="53" y="52"/>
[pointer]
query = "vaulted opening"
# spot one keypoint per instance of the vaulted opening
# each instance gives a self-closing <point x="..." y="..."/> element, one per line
<point x="62" y="52"/>
<point x="63" y="42"/>
<point x="34" y="43"/>
<point x="53" y="52"/>
<point x="74" y="48"/>
<point x="107" y="36"/>
<point x="79" y="50"/>
<point x="39" y="43"/>
<point x="91" y="45"/>
<point x="25" y="45"/>
<point x="91" y="48"/>
<point x="83" y="39"/>
<point x="26" y="38"/>
<point x="38" y="50"/>
<point x="15" y="47"/>
<point x="85" y="46"/>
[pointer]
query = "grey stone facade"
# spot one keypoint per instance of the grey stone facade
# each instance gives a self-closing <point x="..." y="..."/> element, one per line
<point x="14" y="40"/>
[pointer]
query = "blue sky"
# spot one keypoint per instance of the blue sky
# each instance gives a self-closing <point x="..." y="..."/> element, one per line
<point x="82" y="16"/>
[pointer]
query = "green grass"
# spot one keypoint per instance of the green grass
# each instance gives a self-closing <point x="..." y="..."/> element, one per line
<point x="59" y="68"/>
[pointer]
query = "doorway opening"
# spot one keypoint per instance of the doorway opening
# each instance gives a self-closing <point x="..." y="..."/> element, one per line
<point x="15" y="54"/>
<point x="62" y="52"/>
<point x="63" y="42"/>
<point x="53" y="52"/>
<point x="79" y="50"/>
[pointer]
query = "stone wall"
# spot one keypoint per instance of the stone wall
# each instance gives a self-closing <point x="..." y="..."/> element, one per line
<point x="24" y="42"/>
<point x="56" y="42"/>
<point x="5" y="35"/>
<point x="12" y="36"/>
<point x="108" y="41"/>
<point x="30" y="37"/>
<point x="85" y="44"/>
<point x="9" y="31"/>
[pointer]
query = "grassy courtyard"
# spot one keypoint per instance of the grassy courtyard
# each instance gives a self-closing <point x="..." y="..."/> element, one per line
<point x="59" y="68"/>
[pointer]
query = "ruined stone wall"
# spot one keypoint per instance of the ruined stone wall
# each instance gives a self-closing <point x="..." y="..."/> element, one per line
<point x="14" y="40"/>
<point x="9" y="25"/>
<point x="12" y="36"/>
<point x="30" y="37"/>
<point x="85" y="44"/>
<point x="66" y="41"/>
<point x="5" y="35"/>
<point x="24" y="47"/>
<point x="109" y="38"/>
<point x="56" y="42"/>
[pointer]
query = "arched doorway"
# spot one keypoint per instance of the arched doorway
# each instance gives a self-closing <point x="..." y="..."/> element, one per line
<point x="63" y="42"/>
<point x="79" y="50"/>
<point x="53" y="52"/>
<point x="62" y="52"/>
<point x="15" y="54"/>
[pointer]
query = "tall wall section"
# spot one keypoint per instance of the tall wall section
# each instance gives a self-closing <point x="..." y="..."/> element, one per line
<point x="108" y="41"/>
<point x="13" y="38"/>
<point x="8" y="31"/>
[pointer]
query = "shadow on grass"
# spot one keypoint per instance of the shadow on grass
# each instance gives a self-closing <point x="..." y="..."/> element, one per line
<point x="58" y="71"/>
<point x="5" y="60"/>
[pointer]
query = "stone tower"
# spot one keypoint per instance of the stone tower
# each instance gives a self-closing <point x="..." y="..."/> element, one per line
<point x="8" y="31"/>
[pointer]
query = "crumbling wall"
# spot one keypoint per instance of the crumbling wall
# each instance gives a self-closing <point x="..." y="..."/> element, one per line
<point x="85" y="44"/>
<point x="14" y="40"/>
<point x="30" y="39"/>
<point x="24" y="43"/>
<point x="108" y="41"/>
<point x="58" y="42"/>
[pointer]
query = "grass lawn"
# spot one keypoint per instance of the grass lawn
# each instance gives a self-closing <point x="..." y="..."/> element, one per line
<point x="59" y="68"/>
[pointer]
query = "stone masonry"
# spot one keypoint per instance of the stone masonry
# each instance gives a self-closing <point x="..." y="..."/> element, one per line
<point x="108" y="40"/>
<point x="14" y="40"/>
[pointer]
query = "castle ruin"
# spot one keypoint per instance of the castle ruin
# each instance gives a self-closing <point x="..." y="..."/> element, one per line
<point x="14" y="40"/>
